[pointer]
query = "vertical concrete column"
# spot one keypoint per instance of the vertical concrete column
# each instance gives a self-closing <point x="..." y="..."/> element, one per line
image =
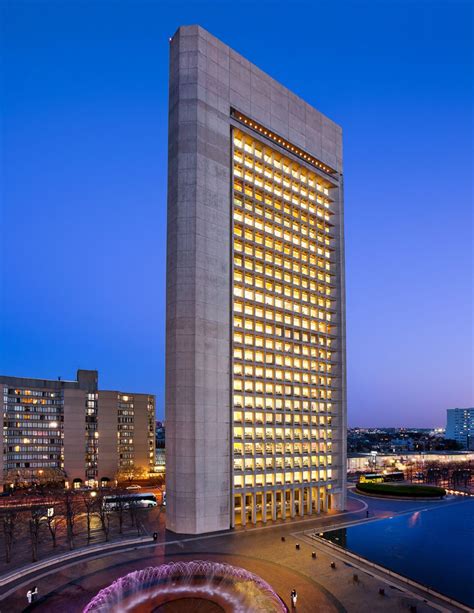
<point x="264" y="507"/>
<point x="274" y="505"/>
<point x="310" y="500"/>
<point x="254" y="508"/>
<point x="318" y="494"/>
<point x="302" y="502"/>
<point x="198" y="297"/>
<point x="74" y="435"/>
<point x="292" y="503"/>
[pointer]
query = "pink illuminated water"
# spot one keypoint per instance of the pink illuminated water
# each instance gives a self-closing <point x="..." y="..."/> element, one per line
<point x="234" y="589"/>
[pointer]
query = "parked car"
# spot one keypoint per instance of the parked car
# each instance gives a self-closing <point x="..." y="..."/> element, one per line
<point x="134" y="487"/>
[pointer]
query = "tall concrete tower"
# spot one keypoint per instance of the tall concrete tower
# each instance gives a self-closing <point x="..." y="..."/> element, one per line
<point x="255" y="349"/>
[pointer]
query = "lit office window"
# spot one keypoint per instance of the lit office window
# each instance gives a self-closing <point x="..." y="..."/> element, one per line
<point x="284" y="304"/>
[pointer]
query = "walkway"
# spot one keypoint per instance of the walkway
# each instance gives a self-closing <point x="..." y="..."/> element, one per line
<point x="260" y="550"/>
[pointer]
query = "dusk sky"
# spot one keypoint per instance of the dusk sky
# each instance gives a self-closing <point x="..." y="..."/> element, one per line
<point x="84" y="155"/>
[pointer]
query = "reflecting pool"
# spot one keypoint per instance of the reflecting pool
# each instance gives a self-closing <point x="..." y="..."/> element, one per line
<point x="434" y="546"/>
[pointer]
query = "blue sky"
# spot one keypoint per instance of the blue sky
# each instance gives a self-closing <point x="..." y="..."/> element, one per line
<point x="84" y="144"/>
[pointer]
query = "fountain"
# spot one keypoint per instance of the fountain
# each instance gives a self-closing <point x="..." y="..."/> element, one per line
<point x="191" y="587"/>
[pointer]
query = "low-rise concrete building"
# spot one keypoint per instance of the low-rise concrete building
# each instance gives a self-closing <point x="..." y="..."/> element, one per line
<point x="73" y="429"/>
<point x="363" y="462"/>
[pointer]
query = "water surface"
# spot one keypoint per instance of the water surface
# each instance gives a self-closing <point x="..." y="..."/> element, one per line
<point x="434" y="547"/>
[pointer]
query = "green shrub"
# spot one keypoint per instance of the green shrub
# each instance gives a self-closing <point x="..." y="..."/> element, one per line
<point x="412" y="491"/>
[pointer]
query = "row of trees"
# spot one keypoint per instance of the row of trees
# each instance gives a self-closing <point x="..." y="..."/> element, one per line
<point x="65" y="515"/>
<point x="24" y="478"/>
<point x="453" y="474"/>
<point x="19" y="478"/>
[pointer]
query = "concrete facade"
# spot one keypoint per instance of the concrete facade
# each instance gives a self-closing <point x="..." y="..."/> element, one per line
<point x="208" y="81"/>
<point x="144" y="434"/>
<point x="75" y="402"/>
<point x="108" y="458"/>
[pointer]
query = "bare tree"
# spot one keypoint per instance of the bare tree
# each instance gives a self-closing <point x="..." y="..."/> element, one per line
<point x="103" y="512"/>
<point x="89" y="502"/>
<point x="52" y="517"/>
<point x="71" y="510"/>
<point x="131" y="473"/>
<point x="120" y="506"/>
<point x="52" y="523"/>
<point x="34" y="523"/>
<point x="42" y="477"/>
<point x="10" y="527"/>
<point x="135" y="512"/>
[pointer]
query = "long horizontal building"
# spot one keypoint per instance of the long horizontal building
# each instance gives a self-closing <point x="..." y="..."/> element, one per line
<point x="367" y="462"/>
<point x="54" y="427"/>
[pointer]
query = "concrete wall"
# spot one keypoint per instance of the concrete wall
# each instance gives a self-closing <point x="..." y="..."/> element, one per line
<point x="74" y="433"/>
<point x="198" y="294"/>
<point x="141" y="433"/>
<point x="207" y="78"/>
<point x="108" y="426"/>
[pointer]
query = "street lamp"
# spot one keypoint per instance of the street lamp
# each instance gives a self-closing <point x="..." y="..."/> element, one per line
<point x="93" y="494"/>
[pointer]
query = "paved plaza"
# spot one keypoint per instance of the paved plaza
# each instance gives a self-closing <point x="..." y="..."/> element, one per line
<point x="269" y="551"/>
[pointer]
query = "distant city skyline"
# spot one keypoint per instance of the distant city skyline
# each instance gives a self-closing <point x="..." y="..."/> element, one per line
<point x="84" y="188"/>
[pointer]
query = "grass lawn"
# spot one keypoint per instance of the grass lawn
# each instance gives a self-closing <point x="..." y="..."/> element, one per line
<point x="396" y="489"/>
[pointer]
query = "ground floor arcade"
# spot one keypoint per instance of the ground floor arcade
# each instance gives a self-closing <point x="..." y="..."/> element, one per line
<point x="252" y="507"/>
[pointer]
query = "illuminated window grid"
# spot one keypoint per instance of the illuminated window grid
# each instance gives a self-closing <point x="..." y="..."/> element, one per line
<point x="282" y="142"/>
<point x="273" y="448"/>
<point x="125" y="432"/>
<point x="28" y="429"/>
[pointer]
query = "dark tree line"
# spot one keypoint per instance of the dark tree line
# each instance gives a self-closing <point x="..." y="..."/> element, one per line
<point x="453" y="474"/>
<point x="64" y="516"/>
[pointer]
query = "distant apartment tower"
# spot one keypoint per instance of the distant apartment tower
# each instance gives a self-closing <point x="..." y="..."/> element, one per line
<point x="72" y="426"/>
<point x="255" y="363"/>
<point x="460" y="427"/>
<point x="160" y="435"/>
<point x="160" y="452"/>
